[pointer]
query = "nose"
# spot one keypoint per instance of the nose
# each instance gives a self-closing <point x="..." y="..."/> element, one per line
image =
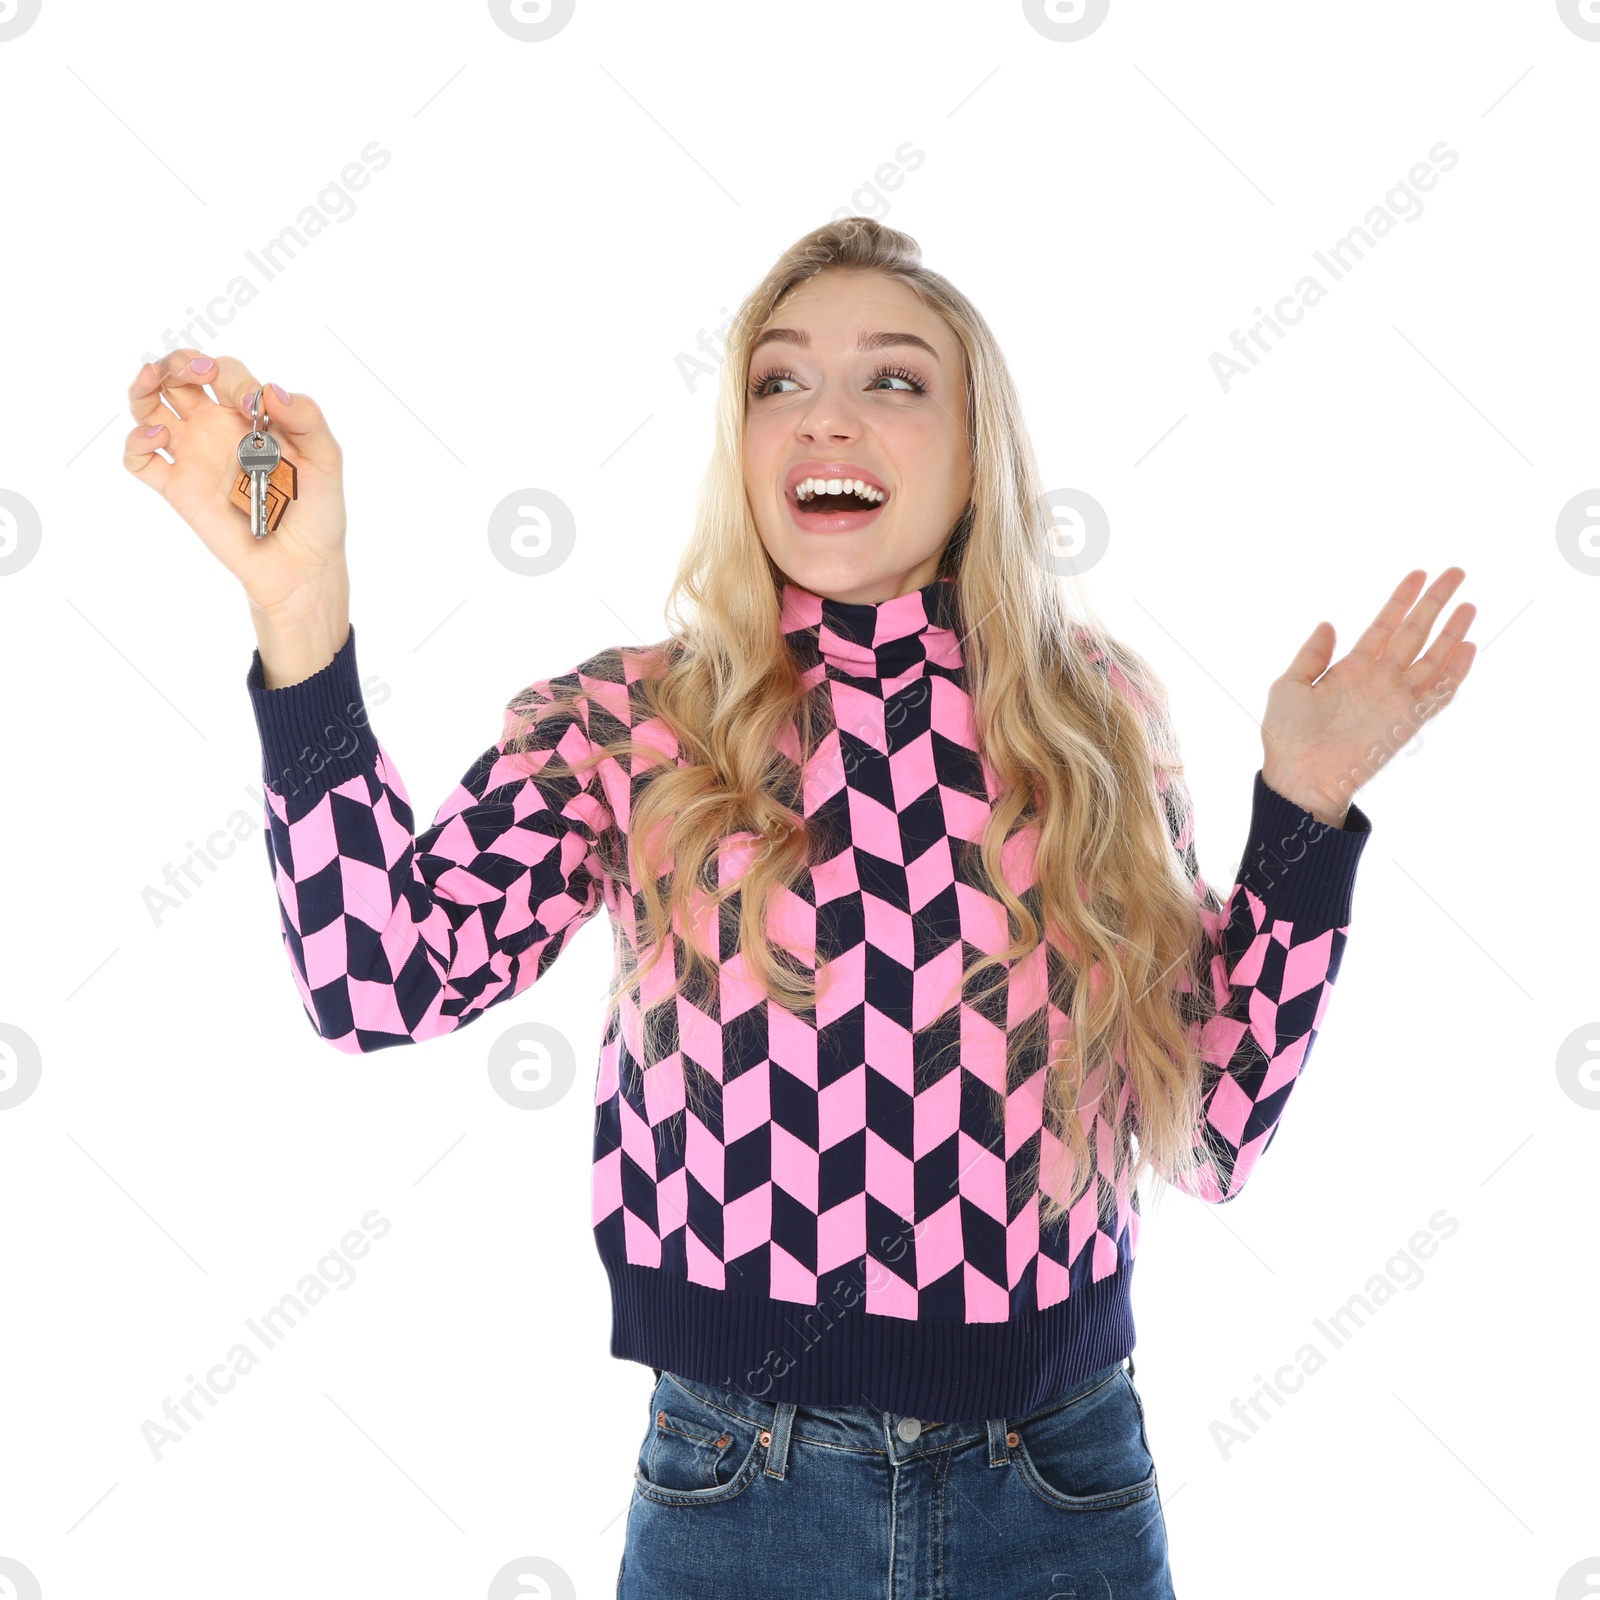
<point x="829" y="417"/>
<point x="828" y="428"/>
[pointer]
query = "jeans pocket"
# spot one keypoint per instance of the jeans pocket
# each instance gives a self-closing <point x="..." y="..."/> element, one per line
<point x="694" y="1451"/>
<point x="1088" y="1451"/>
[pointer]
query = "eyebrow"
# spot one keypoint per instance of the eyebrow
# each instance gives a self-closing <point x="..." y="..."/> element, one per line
<point x="867" y="341"/>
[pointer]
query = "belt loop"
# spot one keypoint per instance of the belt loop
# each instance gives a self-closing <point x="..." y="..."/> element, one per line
<point x="1130" y="1363"/>
<point x="999" y="1453"/>
<point x="778" y="1446"/>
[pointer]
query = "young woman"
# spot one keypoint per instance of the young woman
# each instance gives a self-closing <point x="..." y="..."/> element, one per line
<point x="916" y="972"/>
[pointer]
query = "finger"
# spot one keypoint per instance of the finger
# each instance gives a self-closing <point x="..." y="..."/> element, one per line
<point x="139" y="456"/>
<point x="1431" y="665"/>
<point x="183" y="385"/>
<point x="144" y="396"/>
<point x="1371" y="642"/>
<point x="235" y="385"/>
<point x="1412" y="634"/>
<point x="298" y="421"/>
<point x="1442" y="691"/>
<point x="1459" y="665"/>
<point x="1312" y="658"/>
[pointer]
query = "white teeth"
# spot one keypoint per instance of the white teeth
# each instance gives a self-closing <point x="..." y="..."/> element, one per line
<point x="815" y="486"/>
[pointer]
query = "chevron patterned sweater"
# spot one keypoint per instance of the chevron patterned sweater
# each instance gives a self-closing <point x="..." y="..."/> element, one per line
<point x="815" y="1210"/>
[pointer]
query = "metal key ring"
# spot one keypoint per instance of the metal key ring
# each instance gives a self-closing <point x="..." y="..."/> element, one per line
<point x="259" y="420"/>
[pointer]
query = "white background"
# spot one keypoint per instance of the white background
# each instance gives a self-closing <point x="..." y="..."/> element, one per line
<point x="506" y="308"/>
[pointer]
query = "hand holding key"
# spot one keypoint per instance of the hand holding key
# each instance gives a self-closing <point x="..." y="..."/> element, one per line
<point x="295" y="575"/>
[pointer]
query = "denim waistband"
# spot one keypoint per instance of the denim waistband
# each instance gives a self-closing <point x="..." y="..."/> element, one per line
<point x="865" y="1427"/>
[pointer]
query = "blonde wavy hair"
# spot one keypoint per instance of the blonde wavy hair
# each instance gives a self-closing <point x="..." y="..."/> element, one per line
<point x="1074" y="726"/>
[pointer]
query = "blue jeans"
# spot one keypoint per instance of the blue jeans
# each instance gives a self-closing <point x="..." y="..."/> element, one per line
<point x="735" y="1496"/>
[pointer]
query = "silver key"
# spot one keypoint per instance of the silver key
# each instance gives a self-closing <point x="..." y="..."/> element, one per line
<point x="259" y="456"/>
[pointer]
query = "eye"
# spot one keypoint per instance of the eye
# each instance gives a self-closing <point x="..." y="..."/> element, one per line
<point x="917" y="386"/>
<point x="758" y="386"/>
<point x="773" y="375"/>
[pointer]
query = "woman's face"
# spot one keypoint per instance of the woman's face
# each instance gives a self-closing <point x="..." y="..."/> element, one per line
<point x="818" y="405"/>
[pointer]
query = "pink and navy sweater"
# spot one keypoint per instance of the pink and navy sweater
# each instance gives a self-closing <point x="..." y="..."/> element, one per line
<point x="825" y="1217"/>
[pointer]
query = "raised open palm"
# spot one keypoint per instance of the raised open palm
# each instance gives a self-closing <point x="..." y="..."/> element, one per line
<point x="1328" y="729"/>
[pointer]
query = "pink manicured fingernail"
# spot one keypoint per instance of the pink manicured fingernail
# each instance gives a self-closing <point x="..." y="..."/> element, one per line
<point x="150" y="433"/>
<point x="202" y="363"/>
<point x="283" y="397"/>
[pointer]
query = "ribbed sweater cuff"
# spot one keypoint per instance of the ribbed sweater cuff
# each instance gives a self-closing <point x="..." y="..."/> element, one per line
<point x="314" y="734"/>
<point x="1303" y="869"/>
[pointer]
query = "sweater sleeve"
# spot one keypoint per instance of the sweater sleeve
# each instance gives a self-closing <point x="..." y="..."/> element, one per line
<point x="1275" y="945"/>
<point x="1272" y="950"/>
<point x="395" y="937"/>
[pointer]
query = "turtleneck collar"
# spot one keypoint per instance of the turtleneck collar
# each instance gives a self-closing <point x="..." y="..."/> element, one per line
<point x="882" y="639"/>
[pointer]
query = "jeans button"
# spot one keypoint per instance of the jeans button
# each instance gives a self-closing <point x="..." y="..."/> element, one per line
<point x="909" y="1430"/>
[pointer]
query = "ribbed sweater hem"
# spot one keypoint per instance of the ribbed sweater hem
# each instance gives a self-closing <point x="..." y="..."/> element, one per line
<point x="836" y="1354"/>
<point x="315" y="734"/>
<point x="1305" y="869"/>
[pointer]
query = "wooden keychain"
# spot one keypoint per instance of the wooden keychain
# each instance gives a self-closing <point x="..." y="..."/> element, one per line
<point x="267" y="482"/>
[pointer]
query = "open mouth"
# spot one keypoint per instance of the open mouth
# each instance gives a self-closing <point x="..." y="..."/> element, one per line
<point x="837" y="496"/>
